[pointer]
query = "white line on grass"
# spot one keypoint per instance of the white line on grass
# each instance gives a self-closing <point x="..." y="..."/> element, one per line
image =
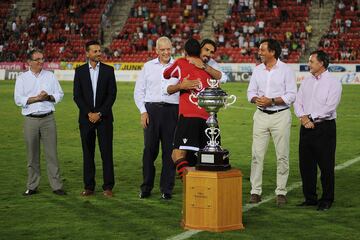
<point x="346" y="164"/>
<point x="247" y="207"/>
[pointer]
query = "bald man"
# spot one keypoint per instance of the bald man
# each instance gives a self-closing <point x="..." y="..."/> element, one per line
<point x="158" y="118"/>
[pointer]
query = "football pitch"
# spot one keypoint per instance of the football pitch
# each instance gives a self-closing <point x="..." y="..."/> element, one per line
<point x="125" y="216"/>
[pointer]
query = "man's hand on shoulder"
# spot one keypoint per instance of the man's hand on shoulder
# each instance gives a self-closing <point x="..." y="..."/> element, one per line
<point x="188" y="84"/>
<point x="185" y="84"/>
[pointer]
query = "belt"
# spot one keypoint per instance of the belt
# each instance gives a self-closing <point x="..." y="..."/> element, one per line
<point x="39" y="116"/>
<point x="320" y="120"/>
<point x="272" y="112"/>
<point x="161" y="104"/>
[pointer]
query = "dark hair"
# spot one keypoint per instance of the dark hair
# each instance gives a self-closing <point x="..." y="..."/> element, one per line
<point x="323" y="57"/>
<point x="32" y="52"/>
<point x="192" y="47"/>
<point x="273" y="45"/>
<point x="208" y="41"/>
<point x="89" y="43"/>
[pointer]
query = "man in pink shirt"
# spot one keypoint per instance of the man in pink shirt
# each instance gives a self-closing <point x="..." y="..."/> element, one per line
<point x="272" y="89"/>
<point x="315" y="106"/>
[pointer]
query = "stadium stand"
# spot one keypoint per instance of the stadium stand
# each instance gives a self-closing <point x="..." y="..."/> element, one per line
<point x="61" y="29"/>
<point x="150" y="19"/>
<point x="6" y="8"/>
<point x="342" y="41"/>
<point x="248" y="22"/>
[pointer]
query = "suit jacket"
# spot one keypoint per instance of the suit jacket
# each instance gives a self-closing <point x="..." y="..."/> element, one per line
<point x="105" y="92"/>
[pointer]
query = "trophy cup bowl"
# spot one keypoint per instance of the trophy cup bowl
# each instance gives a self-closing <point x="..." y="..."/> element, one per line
<point x="213" y="157"/>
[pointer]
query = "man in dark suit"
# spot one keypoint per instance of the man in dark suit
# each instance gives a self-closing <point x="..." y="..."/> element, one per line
<point x="94" y="94"/>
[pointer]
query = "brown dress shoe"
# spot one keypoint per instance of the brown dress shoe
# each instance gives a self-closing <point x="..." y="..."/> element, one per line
<point x="108" y="193"/>
<point x="87" y="193"/>
<point x="281" y="200"/>
<point x="255" y="198"/>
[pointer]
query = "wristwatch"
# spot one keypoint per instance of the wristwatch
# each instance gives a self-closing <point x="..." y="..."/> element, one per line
<point x="273" y="102"/>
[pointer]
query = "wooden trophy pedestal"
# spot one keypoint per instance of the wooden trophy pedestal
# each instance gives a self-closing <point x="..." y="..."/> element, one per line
<point x="212" y="201"/>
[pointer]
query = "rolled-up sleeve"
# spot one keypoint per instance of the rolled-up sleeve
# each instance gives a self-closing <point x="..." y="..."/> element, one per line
<point x="167" y="83"/>
<point x="224" y="78"/>
<point x="216" y="66"/>
<point x="58" y="93"/>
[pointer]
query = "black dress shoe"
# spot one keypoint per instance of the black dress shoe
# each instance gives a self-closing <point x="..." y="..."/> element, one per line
<point x="29" y="192"/>
<point x="166" y="196"/>
<point x="324" y="206"/>
<point x="306" y="203"/>
<point x="144" y="195"/>
<point x="59" y="192"/>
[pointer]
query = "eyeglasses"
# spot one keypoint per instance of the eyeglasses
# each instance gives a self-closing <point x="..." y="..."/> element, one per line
<point x="38" y="60"/>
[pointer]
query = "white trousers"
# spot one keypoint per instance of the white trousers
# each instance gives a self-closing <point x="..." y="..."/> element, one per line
<point x="278" y="126"/>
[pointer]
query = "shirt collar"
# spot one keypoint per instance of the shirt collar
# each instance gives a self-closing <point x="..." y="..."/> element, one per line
<point x="277" y="65"/>
<point x="157" y="61"/>
<point x="97" y="66"/>
<point x="320" y="76"/>
<point x="35" y="74"/>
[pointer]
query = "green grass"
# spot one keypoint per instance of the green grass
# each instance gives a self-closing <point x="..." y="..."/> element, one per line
<point x="47" y="216"/>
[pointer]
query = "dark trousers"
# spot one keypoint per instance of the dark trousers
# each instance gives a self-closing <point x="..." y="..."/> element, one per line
<point x="104" y="132"/>
<point x="317" y="148"/>
<point x="162" y="123"/>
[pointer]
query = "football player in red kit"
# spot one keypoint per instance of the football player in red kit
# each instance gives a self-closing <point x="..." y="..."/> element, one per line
<point x="190" y="131"/>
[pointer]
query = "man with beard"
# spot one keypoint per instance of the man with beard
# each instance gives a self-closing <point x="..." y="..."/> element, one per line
<point x="95" y="93"/>
<point x="207" y="62"/>
<point x="190" y="131"/>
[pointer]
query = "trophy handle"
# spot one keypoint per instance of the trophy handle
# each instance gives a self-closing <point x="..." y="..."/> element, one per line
<point x="233" y="97"/>
<point x="191" y="96"/>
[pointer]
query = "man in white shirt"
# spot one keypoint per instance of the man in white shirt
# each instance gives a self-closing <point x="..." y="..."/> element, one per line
<point x="159" y="113"/>
<point x="272" y="89"/>
<point x="36" y="91"/>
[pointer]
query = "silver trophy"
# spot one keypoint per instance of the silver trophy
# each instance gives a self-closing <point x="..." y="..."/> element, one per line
<point x="213" y="157"/>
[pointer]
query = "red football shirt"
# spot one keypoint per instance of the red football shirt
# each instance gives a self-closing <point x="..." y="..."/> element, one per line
<point x="181" y="69"/>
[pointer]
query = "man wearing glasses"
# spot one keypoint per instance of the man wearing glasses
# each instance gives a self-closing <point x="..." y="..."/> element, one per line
<point x="36" y="92"/>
